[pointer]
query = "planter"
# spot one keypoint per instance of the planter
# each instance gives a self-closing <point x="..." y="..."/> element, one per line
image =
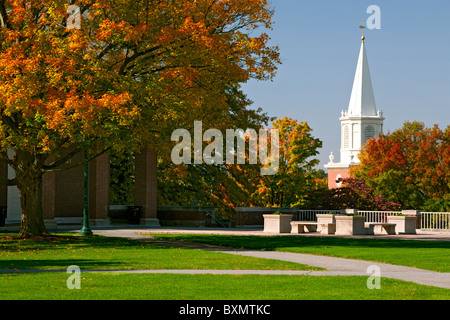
<point x="274" y="223"/>
<point x="350" y="225"/>
<point x="325" y="219"/>
<point x="254" y="216"/>
<point x="403" y="224"/>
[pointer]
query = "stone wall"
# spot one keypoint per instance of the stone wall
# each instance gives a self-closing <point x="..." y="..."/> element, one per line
<point x="253" y="217"/>
<point x="186" y="216"/>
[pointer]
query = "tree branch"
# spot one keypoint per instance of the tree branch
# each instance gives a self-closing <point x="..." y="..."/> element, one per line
<point x="128" y="60"/>
<point x="8" y="182"/>
<point x="62" y="160"/>
<point x="54" y="166"/>
<point x="4" y="15"/>
<point x="7" y="160"/>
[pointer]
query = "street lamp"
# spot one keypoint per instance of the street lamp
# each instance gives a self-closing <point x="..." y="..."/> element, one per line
<point x="86" y="230"/>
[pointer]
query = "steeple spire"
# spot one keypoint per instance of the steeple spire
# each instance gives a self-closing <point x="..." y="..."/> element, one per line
<point x="362" y="101"/>
<point x="362" y="27"/>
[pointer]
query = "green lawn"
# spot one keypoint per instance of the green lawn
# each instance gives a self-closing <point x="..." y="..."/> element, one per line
<point x="109" y="286"/>
<point x="100" y="252"/>
<point x="429" y="255"/>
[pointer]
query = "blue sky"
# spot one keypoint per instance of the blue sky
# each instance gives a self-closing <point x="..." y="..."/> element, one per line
<point x="409" y="60"/>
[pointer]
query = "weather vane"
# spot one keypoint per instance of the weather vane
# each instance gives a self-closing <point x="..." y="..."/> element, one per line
<point x="362" y="27"/>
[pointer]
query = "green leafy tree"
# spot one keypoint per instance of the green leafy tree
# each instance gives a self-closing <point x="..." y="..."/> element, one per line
<point x="295" y="177"/>
<point x="219" y="185"/>
<point x="122" y="178"/>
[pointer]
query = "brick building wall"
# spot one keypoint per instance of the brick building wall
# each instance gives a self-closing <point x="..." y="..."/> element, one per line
<point x="334" y="174"/>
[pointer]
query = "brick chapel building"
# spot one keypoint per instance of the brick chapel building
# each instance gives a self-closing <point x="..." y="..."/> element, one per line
<point x="63" y="193"/>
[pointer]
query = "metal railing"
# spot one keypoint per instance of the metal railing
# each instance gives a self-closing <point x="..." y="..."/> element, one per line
<point x="311" y="215"/>
<point x="377" y="216"/>
<point x="435" y="221"/>
<point x="214" y="219"/>
<point x="371" y="216"/>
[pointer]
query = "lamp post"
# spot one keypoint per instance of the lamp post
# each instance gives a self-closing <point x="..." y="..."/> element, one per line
<point x="86" y="230"/>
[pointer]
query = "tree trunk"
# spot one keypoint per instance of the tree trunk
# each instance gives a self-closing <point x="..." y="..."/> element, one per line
<point x="29" y="171"/>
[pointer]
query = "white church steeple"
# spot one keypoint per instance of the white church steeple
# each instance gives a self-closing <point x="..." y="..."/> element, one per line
<point x="359" y="123"/>
<point x="362" y="121"/>
<point x="362" y="101"/>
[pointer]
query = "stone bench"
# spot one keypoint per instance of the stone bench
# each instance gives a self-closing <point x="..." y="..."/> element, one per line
<point x="303" y="226"/>
<point x="380" y="228"/>
<point x="327" y="228"/>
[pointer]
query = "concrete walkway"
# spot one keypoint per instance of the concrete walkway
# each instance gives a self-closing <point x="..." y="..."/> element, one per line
<point x="334" y="266"/>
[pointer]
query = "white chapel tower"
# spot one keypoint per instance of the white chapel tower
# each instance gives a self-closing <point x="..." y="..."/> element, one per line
<point x="359" y="123"/>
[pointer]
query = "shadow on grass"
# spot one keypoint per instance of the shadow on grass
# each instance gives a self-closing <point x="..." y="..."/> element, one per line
<point x="271" y="243"/>
<point x="13" y="243"/>
<point x="63" y="250"/>
<point x="61" y="264"/>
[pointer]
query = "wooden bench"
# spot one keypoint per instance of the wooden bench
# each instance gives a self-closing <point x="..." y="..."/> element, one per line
<point x="380" y="228"/>
<point x="303" y="226"/>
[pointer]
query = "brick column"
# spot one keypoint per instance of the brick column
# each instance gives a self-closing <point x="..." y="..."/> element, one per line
<point x="3" y="190"/>
<point x="99" y="190"/>
<point x="4" y="176"/>
<point x="145" y="194"/>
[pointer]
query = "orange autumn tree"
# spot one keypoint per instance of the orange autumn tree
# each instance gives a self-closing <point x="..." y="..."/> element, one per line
<point x="410" y="166"/>
<point x="296" y="176"/>
<point x="125" y="76"/>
